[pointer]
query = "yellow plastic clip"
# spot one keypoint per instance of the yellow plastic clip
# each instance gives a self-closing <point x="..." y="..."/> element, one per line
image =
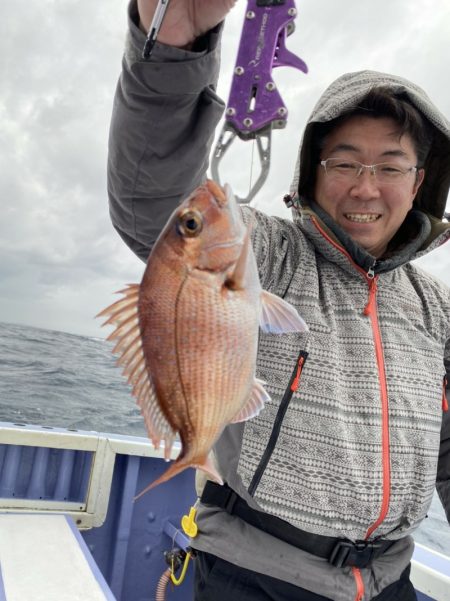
<point x="188" y="523"/>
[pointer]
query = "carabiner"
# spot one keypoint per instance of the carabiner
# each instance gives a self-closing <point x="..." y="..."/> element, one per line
<point x="263" y="144"/>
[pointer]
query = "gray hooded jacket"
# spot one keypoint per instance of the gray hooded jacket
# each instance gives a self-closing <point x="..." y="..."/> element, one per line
<point x="363" y="436"/>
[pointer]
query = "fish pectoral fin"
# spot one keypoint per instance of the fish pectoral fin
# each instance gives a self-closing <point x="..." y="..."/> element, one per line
<point x="258" y="398"/>
<point x="278" y="316"/>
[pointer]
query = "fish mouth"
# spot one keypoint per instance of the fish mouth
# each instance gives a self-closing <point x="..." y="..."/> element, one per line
<point x="226" y="244"/>
<point x="362" y="217"/>
<point x="220" y="256"/>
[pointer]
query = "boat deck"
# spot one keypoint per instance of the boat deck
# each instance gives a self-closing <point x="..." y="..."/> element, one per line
<point x="90" y="480"/>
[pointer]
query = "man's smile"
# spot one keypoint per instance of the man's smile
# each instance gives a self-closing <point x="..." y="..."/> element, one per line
<point x="362" y="217"/>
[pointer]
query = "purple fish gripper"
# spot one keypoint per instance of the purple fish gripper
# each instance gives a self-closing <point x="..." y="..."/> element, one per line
<point x="254" y="100"/>
<point x="255" y="106"/>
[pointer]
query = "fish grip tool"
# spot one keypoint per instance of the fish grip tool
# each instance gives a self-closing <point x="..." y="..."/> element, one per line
<point x="255" y="106"/>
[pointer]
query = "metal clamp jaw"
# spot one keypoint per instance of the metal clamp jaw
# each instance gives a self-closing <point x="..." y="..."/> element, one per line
<point x="264" y="146"/>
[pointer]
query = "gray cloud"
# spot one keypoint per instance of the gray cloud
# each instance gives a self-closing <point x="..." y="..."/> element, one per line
<point x="60" y="259"/>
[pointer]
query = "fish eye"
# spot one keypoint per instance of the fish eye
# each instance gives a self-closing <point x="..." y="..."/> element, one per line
<point x="190" y="223"/>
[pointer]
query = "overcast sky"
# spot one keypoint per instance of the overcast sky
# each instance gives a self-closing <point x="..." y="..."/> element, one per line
<point x="60" y="258"/>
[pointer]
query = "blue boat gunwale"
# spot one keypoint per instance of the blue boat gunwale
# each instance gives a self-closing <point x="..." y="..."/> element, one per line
<point x="104" y="447"/>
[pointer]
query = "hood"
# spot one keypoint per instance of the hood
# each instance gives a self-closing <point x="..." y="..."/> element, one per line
<point x="344" y="94"/>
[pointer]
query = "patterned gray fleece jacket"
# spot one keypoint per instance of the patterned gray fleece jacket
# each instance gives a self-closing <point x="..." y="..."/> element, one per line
<point x="364" y="438"/>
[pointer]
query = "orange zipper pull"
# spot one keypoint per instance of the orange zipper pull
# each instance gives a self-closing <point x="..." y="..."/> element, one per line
<point x="300" y="364"/>
<point x="372" y="294"/>
<point x="444" y="395"/>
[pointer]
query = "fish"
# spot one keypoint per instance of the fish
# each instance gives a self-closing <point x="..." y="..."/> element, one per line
<point x="187" y="335"/>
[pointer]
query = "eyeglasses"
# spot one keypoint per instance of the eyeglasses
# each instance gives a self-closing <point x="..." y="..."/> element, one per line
<point x="384" y="173"/>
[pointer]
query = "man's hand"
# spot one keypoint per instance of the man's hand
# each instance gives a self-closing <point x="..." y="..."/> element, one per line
<point x="185" y="20"/>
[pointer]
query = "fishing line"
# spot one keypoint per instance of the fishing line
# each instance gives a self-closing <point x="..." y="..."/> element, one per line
<point x="251" y="166"/>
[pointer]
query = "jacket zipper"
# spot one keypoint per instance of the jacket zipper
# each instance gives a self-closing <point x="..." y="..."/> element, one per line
<point x="371" y="311"/>
<point x="293" y="385"/>
<point x="444" y="395"/>
<point x="360" y="589"/>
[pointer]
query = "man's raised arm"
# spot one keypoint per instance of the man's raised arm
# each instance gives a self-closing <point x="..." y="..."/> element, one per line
<point x="164" y="116"/>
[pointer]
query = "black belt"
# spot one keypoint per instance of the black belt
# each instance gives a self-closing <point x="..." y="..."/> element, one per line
<point x="339" y="552"/>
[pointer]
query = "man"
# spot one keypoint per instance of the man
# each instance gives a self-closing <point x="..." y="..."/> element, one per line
<point x="325" y="487"/>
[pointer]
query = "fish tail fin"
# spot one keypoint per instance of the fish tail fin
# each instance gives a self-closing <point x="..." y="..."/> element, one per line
<point x="203" y="463"/>
<point x="176" y="468"/>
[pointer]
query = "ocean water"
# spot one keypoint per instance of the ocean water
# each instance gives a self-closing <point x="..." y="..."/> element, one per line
<point x="51" y="378"/>
<point x="57" y="379"/>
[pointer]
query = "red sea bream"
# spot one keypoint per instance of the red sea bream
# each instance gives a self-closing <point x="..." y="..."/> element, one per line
<point x="187" y="336"/>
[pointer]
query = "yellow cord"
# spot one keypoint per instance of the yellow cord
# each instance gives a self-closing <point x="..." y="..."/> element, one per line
<point x="178" y="581"/>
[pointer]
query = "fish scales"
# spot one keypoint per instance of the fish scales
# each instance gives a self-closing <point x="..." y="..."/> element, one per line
<point x="201" y="347"/>
<point x="224" y="339"/>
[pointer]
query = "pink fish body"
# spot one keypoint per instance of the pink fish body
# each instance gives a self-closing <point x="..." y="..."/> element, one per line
<point x="187" y="336"/>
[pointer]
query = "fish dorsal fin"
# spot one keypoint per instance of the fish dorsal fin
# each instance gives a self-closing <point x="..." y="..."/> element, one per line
<point x="259" y="396"/>
<point x="278" y="316"/>
<point x="124" y="315"/>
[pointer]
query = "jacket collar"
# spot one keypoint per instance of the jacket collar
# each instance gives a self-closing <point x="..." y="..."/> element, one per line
<point x="419" y="234"/>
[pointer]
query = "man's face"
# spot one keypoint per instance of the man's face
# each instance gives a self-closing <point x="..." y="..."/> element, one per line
<point x="369" y="211"/>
